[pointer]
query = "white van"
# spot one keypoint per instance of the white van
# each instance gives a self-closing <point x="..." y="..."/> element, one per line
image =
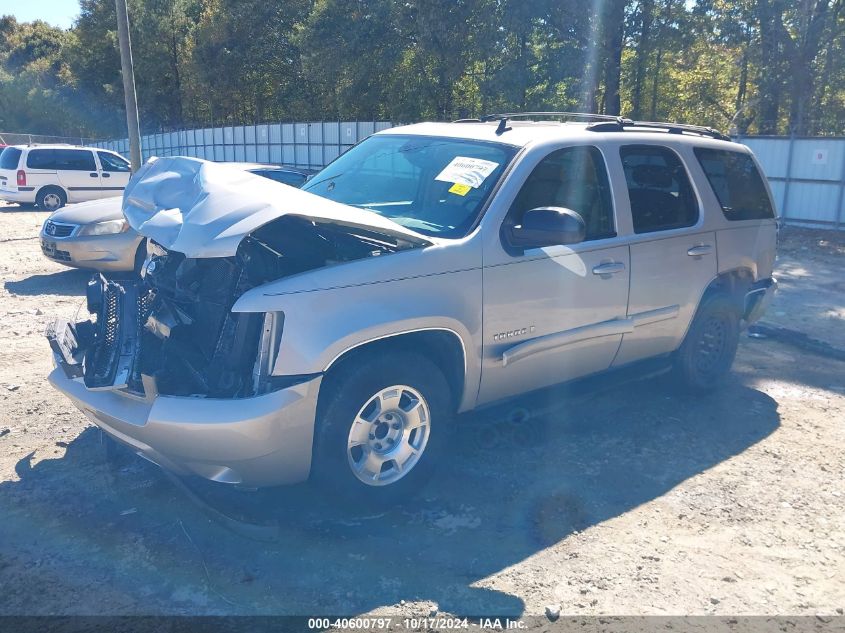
<point x="53" y="175"/>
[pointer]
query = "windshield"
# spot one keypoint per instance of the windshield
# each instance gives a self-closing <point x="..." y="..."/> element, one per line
<point x="433" y="185"/>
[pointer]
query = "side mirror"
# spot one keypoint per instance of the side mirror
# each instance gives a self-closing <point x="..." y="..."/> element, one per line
<point x="547" y="226"/>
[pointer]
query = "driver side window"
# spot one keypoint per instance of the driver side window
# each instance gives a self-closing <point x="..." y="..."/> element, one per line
<point x="113" y="163"/>
<point x="573" y="178"/>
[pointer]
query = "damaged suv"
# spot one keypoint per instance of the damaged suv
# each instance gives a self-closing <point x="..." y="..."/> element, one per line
<point x="332" y="332"/>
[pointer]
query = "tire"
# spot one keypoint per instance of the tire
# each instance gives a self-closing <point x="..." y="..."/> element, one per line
<point x="367" y="451"/>
<point x="50" y="198"/>
<point x="708" y="351"/>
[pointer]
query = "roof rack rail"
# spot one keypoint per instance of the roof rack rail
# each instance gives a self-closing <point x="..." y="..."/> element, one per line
<point x="671" y="128"/>
<point x="525" y="115"/>
<point x="601" y="123"/>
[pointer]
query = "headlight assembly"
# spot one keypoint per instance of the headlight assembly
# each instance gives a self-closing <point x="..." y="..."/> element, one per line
<point x="111" y="227"/>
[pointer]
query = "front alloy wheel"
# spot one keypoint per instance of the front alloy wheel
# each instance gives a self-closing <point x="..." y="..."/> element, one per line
<point x="389" y="435"/>
<point x="382" y="424"/>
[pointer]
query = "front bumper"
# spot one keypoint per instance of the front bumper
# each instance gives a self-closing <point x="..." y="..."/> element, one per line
<point x="108" y="253"/>
<point x="758" y="298"/>
<point x="264" y="440"/>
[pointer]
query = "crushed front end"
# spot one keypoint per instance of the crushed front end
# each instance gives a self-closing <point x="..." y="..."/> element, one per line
<point x="171" y="332"/>
<point x="165" y="366"/>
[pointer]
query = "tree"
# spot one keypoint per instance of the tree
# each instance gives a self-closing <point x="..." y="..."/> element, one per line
<point x="246" y="62"/>
<point x="350" y="57"/>
<point x="613" y="27"/>
<point x="759" y="65"/>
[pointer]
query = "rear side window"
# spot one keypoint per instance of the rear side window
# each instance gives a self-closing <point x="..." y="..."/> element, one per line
<point x="111" y="163"/>
<point x="61" y="159"/>
<point x="74" y="159"/>
<point x="659" y="189"/>
<point x="40" y="159"/>
<point x="737" y="183"/>
<point x="9" y="158"/>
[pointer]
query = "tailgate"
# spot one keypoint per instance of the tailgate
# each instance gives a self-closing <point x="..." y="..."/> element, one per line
<point x="8" y="180"/>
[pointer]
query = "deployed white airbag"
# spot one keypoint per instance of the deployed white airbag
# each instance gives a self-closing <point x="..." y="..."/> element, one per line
<point x="205" y="209"/>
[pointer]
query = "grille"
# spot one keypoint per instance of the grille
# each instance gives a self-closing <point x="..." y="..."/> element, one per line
<point x="100" y="369"/>
<point x="62" y="256"/>
<point x="54" y="229"/>
<point x="144" y="305"/>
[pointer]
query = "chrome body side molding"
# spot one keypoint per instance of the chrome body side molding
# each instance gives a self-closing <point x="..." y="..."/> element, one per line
<point x="613" y="327"/>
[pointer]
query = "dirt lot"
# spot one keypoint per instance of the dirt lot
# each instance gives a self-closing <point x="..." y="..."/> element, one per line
<point x="633" y="500"/>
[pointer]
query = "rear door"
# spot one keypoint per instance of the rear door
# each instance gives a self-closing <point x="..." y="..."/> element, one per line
<point x="673" y="258"/>
<point x="114" y="172"/>
<point x="9" y="159"/>
<point x="78" y="174"/>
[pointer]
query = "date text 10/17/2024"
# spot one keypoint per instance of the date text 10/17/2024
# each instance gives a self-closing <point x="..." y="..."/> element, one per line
<point x="414" y="624"/>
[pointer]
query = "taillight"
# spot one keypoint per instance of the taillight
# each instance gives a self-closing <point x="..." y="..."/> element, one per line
<point x="21" y="178"/>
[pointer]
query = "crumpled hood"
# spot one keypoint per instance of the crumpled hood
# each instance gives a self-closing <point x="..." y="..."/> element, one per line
<point x="205" y="209"/>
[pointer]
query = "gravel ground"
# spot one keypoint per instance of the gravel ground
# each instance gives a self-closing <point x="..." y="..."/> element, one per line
<point x="628" y="500"/>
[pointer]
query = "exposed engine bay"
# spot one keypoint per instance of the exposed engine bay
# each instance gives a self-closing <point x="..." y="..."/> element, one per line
<point x="172" y="330"/>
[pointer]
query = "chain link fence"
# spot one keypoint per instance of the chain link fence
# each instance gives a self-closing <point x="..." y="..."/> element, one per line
<point x="309" y="145"/>
<point x="20" y="138"/>
<point x="807" y="174"/>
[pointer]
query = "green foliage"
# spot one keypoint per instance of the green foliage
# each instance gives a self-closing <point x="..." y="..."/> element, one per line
<point x="744" y="64"/>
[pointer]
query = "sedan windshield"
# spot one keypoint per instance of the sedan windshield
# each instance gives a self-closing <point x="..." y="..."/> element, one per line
<point x="432" y="185"/>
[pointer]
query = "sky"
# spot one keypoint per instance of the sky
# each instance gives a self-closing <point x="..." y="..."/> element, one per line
<point x="61" y="12"/>
<point x="56" y="12"/>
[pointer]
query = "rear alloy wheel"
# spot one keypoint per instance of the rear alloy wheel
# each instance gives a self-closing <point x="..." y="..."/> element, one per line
<point x="51" y="199"/>
<point x="709" y="348"/>
<point x="382" y="424"/>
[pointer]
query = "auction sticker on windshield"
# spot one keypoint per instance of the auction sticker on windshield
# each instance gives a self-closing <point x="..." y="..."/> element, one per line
<point x="460" y="189"/>
<point x="467" y="171"/>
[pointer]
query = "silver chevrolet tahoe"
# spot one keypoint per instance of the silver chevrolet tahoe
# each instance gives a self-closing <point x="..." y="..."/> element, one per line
<point x="333" y="332"/>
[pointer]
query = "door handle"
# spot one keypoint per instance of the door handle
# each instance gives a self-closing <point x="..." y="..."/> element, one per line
<point x="700" y="249"/>
<point x="93" y="174"/>
<point x="608" y="268"/>
<point x="106" y="175"/>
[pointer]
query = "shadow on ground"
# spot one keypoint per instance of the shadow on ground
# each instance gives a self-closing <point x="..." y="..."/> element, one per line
<point x="70" y="282"/>
<point x="519" y="479"/>
<point x="19" y="207"/>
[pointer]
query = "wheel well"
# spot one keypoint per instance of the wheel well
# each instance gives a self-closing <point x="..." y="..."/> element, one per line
<point x="734" y="283"/>
<point x="49" y="188"/>
<point x="442" y="347"/>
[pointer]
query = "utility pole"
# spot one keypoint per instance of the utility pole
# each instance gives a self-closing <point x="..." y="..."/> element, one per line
<point x="130" y="98"/>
